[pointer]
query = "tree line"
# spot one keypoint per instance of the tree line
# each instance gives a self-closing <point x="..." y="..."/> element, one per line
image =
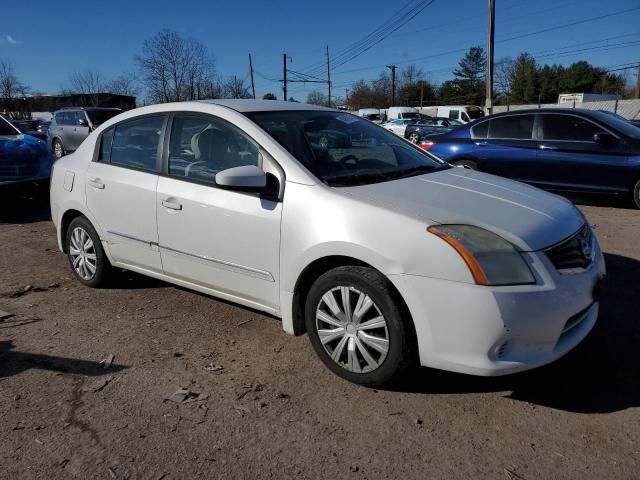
<point x="516" y="81"/>
<point x="174" y="68"/>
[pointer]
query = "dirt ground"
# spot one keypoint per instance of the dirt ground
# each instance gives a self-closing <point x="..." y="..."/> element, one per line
<point x="273" y="410"/>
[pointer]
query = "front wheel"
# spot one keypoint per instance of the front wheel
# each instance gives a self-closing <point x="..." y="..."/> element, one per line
<point x="358" y="327"/>
<point x="414" y="137"/>
<point x="58" y="149"/>
<point x="86" y="255"/>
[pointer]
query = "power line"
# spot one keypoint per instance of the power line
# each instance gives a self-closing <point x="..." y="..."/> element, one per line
<point x="377" y="36"/>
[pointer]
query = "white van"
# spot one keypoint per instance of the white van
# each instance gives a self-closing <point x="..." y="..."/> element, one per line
<point x="371" y="114"/>
<point x="463" y="113"/>
<point x="402" y="113"/>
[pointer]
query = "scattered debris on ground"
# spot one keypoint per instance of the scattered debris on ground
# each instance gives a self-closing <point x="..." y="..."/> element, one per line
<point x="184" y="395"/>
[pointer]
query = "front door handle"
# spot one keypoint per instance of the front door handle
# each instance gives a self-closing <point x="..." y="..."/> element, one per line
<point x="548" y="147"/>
<point x="96" y="183"/>
<point x="172" y="205"/>
<point x="482" y="144"/>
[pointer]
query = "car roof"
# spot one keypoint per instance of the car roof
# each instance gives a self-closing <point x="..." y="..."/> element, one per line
<point x="581" y="111"/>
<point x="250" y="105"/>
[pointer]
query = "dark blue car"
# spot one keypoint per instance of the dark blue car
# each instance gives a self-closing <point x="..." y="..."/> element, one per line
<point x="573" y="151"/>
<point x="24" y="159"/>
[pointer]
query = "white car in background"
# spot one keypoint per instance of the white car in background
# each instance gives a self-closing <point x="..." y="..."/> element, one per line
<point x="383" y="254"/>
<point x="398" y="126"/>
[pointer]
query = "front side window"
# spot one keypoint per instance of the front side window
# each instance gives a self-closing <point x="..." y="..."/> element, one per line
<point x="201" y="146"/>
<point x="568" y="127"/>
<point x="341" y="149"/>
<point x="79" y="118"/>
<point x="517" y="127"/>
<point x="135" y="143"/>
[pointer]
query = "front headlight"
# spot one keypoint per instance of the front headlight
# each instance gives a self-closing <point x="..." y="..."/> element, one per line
<point x="490" y="258"/>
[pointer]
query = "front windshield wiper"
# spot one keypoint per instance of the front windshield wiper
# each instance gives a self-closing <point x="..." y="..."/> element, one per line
<point x="355" y="179"/>
<point x="409" y="172"/>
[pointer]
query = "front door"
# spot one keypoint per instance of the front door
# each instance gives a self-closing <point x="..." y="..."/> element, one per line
<point x="574" y="162"/>
<point x="77" y="132"/>
<point x="218" y="239"/>
<point x="121" y="190"/>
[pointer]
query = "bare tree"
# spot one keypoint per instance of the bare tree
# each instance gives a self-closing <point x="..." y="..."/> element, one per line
<point x="316" y="97"/>
<point x="503" y="76"/>
<point x="236" y="88"/>
<point x="175" y="68"/>
<point x="125" y="84"/>
<point x="87" y="83"/>
<point x="10" y="86"/>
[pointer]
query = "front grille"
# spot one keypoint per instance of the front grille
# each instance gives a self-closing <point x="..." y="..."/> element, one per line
<point x="19" y="170"/>
<point x="575" y="252"/>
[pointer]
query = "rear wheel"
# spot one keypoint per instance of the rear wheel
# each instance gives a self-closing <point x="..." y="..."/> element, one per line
<point x="58" y="149"/>
<point x="466" y="164"/>
<point x="636" y="194"/>
<point x="356" y="326"/>
<point x="414" y="137"/>
<point x="86" y="255"/>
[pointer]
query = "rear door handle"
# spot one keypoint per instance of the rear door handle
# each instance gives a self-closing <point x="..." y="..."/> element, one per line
<point x="548" y="147"/>
<point x="172" y="205"/>
<point x="482" y="144"/>
<point x="96" y="183"/>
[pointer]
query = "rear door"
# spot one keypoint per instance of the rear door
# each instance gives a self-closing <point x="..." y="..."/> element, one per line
<point x="506" y="146"/>
<point x="572" y="161"/>
<point x="121" y="190"/>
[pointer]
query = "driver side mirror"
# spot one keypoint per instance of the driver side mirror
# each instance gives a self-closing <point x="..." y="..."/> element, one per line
<point x="248" y="178"/>
<point x="605" y="138"/>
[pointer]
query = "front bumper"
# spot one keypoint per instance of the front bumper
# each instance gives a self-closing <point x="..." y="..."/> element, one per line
<point x="487" y="331"/>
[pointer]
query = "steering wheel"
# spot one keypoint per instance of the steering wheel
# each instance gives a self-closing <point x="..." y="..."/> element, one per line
<point x="349" y="158"/>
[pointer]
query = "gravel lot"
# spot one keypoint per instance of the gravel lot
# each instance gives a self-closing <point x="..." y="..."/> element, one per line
<point x="273" y="411"/>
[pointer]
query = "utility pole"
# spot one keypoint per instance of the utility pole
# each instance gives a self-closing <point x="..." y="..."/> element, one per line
<point x="328" y="76"/>
<point x="393" y="83"/>
<point x="490" y="41"/>
<point x="284" y="72"/>
<point x="253" y="85"/>
<point x="638" y="83"/>
<point x="421" y="94"/>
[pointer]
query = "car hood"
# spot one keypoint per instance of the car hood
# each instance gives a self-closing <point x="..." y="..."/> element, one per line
<point x="529" y="218"/>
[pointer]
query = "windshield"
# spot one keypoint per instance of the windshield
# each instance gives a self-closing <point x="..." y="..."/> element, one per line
<point x="342" y="149"/>
<point x="619" y="123"/>
<point x="100" y="116"/>
<point x="6" y="128"/>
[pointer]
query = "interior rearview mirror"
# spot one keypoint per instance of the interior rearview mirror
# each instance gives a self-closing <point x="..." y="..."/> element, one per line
<point x="604" y="138"/>
<point x="246" y="178"/>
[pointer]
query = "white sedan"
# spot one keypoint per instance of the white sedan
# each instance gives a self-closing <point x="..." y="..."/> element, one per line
<point x="383" y="254"/>
<point x="398" y="126"/>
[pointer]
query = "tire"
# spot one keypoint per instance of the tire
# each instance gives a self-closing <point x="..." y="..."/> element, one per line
<point x="471" y="165"/>
<point x="636" y="194"/>
<point x="383" y="349"/>
<point x="414" y="137"/>
<point x="58" y="149"/>
<point x="86" y="255"/>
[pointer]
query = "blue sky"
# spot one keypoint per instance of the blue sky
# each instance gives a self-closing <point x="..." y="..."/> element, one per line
<point x="47" y="45"/>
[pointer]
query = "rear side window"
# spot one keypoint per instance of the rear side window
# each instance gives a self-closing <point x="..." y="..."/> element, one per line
<point x="135" y="143"/>
<point x="568" y="127"/>
<point x="519" y="127"/>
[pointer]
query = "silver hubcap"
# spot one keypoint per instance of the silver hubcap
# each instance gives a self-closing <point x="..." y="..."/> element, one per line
<point x="413" y="137"/>
<point x="57" y="149"/>
<point x="83" y="254"/>
<point x="352" y="329"/>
